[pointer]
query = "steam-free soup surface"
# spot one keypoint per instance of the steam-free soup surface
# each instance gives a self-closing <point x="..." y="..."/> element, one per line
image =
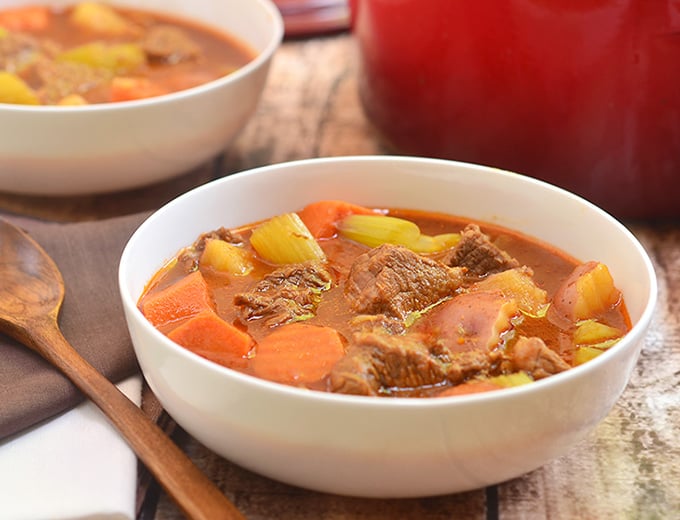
<point x="95" y="53"/>
<point x="342" y="298"/>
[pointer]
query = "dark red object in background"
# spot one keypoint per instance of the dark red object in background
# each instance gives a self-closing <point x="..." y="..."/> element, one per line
<point x="311" y="17"/>
<point x="585" y="94"/>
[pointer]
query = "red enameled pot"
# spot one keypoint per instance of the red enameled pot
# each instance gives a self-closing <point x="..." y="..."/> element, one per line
<point x="585" y="95"/>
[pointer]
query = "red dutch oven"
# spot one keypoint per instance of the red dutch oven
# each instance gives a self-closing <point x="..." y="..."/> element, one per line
<point x="583" y="94"/>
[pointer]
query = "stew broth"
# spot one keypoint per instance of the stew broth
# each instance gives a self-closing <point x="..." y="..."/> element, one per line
<point x="62" y="58"/>
<point x="452" y="344"/>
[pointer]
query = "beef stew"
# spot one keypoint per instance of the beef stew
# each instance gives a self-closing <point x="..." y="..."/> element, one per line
<point x="385" y="302"/>
<point x="95" y="53"/>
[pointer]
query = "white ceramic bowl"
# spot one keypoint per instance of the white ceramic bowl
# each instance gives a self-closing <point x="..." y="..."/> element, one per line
<point x="115" y="146"/>
<point x="380" y="447"/>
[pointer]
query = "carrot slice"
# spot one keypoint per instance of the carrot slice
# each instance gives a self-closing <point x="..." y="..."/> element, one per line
<point x="209" y="336"/>
<point x="183" y="299"/>
<point x="470" y="387"/>
<point x="30" y="18"/>
<point x="297" y="353"/>
<point x="321" y="217"/>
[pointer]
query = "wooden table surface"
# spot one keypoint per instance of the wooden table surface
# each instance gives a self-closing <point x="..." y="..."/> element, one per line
<point x="628" y="468"/>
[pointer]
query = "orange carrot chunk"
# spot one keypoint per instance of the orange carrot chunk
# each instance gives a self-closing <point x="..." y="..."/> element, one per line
<point x="30" y="18"/>
<point x="183" y="299"/>
<point x="209" y="336"/>
<point x="297" y="354"/>
<point x="321" y="217"/>
<point x="470" y="387"/>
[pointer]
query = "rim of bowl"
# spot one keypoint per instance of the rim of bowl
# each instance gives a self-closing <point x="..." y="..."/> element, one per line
<point x="636" y="334"/>
<point x="275" y="39"/>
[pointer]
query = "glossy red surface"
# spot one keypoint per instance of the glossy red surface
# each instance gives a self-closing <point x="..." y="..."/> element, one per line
<point x="585" y="95"/>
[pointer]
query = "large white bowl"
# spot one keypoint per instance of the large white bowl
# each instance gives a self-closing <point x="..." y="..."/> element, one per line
<point x="48" y="150"/>
<point x="383" y="447"/>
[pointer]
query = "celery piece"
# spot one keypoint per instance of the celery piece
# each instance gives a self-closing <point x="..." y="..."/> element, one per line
<point x="118" y="58"/>
<point x="16" y="91"/>
<point x="584" y="354"/>
<point x="285" y="239"/>
<point x="225" y="257"/>
<point x="375" y="230"/>
<point x="509" y="380"/>
<point x="100" y="18"/>
<point x="592" y="331"/>
<point x="447" y="240"/>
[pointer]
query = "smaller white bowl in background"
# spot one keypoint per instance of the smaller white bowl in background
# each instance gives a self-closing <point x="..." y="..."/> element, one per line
<point x="386" y="447"/>
<point x="75" y="150"/>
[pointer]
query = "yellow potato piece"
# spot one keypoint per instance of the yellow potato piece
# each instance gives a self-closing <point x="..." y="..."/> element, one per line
<point x="117" y="58"/>
<point x="101" y="19"/>
<point x="225" y="257"/>
<point x="595" y="292"/>
<point x="14" y="90"/>
<point x="591" y="332"/>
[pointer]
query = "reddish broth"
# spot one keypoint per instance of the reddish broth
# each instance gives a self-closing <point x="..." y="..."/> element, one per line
<point x="550" y="268"/>
<point x="219" y="54"/>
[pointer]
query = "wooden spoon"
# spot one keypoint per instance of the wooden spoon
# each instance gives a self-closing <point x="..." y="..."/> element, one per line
<point x="31" y="294"/>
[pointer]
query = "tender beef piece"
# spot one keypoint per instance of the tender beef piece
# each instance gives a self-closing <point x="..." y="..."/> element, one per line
<point x="464" y="365"/>
<point x="478" y="254"/>
<point x="18" y="51"/>
<point x="533" y="356"/>
<point x="376" y="362"/>
<point x="61" y="79"/>
<point x="379" y="363"/>
<point x="218" y="234"/>
<point x="377" y="323"/>
<point x="286" y="294"/>
<point x="395" y="281"/>
<point x="169" y="44"/>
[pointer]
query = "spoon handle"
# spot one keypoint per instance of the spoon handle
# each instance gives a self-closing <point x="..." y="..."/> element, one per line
<point x="191" y="490"/>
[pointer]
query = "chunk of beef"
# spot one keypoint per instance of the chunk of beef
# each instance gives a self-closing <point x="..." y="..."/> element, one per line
<point x="533" y="356"/>
<point x="169" y="44"/>
<point x="286" y="294"/>
<point x="375" y="363"/>
<point x="64" y="78"/>
<point x="18" y="51"/>
<point x="377" y="323"/>
<point x="379" y="363"/>
<point x="395" y="281"/>
<point x="478" y="254"/>
<point x="470" y="321"/>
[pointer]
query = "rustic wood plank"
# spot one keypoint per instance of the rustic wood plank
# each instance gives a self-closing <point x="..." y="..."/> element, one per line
<point x="258" y="497"/>
<point x="310" y="108"/>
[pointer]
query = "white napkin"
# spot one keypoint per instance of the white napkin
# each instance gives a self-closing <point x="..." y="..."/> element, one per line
<point x="75" y="466"/>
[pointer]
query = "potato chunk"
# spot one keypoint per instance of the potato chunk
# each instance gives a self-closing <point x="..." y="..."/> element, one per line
<point x="225" y="257"/>
<point x="101" y="19"/>
<point x="14" y="90"/>
<point x="587" y="293"/>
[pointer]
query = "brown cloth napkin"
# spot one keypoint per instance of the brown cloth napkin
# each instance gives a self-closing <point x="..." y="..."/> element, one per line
<point x="87" y="254"/>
